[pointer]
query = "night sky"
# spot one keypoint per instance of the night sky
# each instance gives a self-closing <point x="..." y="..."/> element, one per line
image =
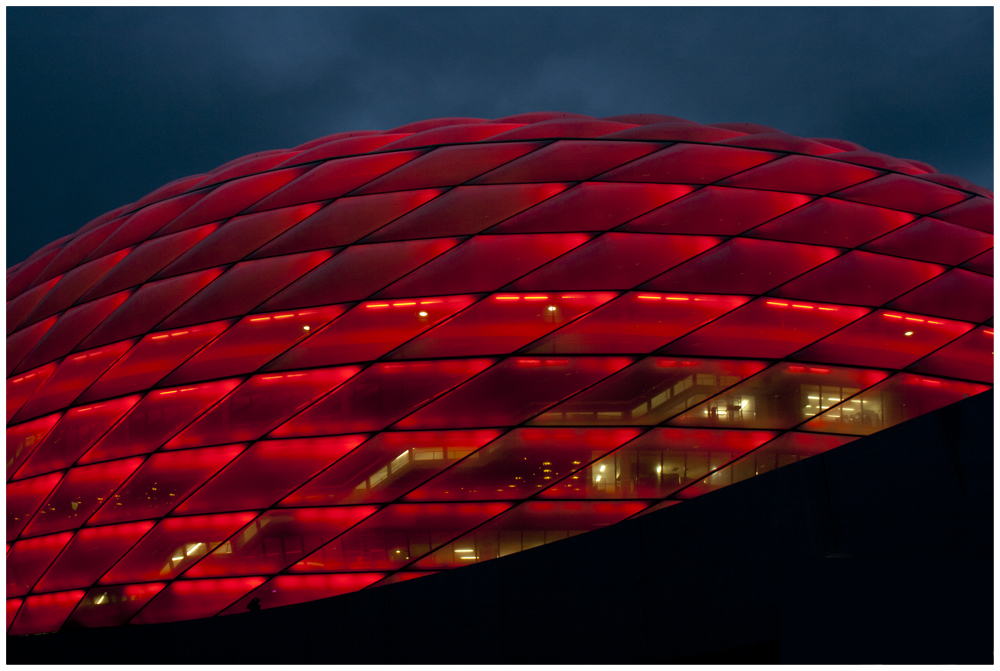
<point x="105" y="105"/>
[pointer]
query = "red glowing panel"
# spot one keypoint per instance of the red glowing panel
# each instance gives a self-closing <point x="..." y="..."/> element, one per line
<point x="44" y="613"/>
<point x="156" y="418"/>
<point x="896" y="400"/>
<point x="502" y="323"/>
<point x="174" y="545"/>
<point x="903" y="193"/>
<point x="958" y="294"/>
<point x="531" y="524"/>
<point x="674" y="128"/>
<point x="76" y="250"/>
<point x="358" y="272"/>
<point x="474" y="131"/>
<point x="334" y="179"/>
<point x="147" y="259"/>
<point x="860" y="278"/>
<point x="233" y="198"/>
<point x="689" y="164"/>
<point x="466" y="210"/>
<point x="981" y="264"/>
<point x="23" y="305"/>
<point x="266" y="472"/>
<point x="637" y="322"/>
<point x="79" y="428"/>
<point x="780" y="397"/>
<point x="345" y="221"/>
<point x="243" y="287"/>
<point x="592" y="206"/>
<point x="969" y="357"/>
<point x="12" y="607"/>
<point x="148" y="305"/>
<point x="483" y="264"/>
<point x="742" y="266"/>
<point x="766" y="327"/>
<point x="74" y="374"/>
<point x="190" y="599"/>
<point x="521" y="463"/>
<point x="148" y="221"/>
<point x="285" y="590"/>
<point x="974" y="213"/>
<point x="153" y="357"/>
<point x="238" y="237"/>
<point x="27" y="561"/>
<point x="343" y="144"/>
<point x="18" y="345"/>
<point x="388" y="466"/>
<point x="277" y="539"/>
<point x="112" y="606"/>
<point x="370" y="330"/>
<point x="885" y="338"/>
<point x="72" y="327"/>
<point x="90" y="554"/>
<point x="513" y="391"/>
<point x="380" y="395"/>
<point x="252" y="342"/>
<point x="259" y="405"/>
<point x="803" y="174"/>
<point x="23" y="439"/>
<point x="164" y="481"/>
<point x="719" y="211"/>
<point x="615" y="261"/>
<point x="21" y="387"/>
<point x="657" y="464"/>
<point x="19" y="278"/>
<point x="649" y="392"/>
<point x="247" y="165"/>
<point x="929" y="239"/>
<point x="833" y="222"/>
<point x="450" y="166"/>
<point x="568" y="161"/>
<point x="23" y="499"/>
<point x="398" y="535"/>
<point x="79" y="494"/>
<point x="73" y="285"/>
<point x="786" y="449"/>
<point x="566" y="127"/>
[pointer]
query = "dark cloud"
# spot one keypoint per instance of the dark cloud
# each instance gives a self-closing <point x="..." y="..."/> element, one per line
<point x="105" y="105"/>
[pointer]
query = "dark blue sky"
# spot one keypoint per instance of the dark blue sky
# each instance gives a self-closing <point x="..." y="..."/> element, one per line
<point x="104" y="105"/>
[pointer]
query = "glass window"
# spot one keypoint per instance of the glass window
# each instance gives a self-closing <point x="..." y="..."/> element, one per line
<point x="90" y="554"/>
<point x="650" y="391"/>
<point x="388" y="466"/>
<point x="192" y="599"/>
<point x="780" y="397"/>
<point x="113" y="605"/>
<point x="521" y="463"/>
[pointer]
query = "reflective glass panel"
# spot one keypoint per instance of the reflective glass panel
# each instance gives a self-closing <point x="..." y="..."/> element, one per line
<point x="520" y="464"/>
<point x="157" y="417"/>
<point x="649" y="392"/>
<point x="28" y="559"/>
<point x="398" y="535"/>
<point x="780" y="397"/>
<point x="370" y="330"/>
<point x="191" y="599"/>
<point x="513" y="391"/>
<point x="501" y="323"/>
<point x="90" y="554"/>
<point x="277" y="539"/>
<point x="174" y="545"/>
<point x="970" y="357"/>
<point x="285" y="590"/>
<point x="259" y="405"/>
<point x="530" y="525"/>
<point x="380" y="395"/>
<point x="112" y="606"/>
<point x="388" y="466"/>
<point x="23" y="499"/>
<point x="657" y="464"/>
<point x="164" y="481"/>
<point x="44" y="613"/>
<point x="637" y="322"/>
<point x="267" y="471"/>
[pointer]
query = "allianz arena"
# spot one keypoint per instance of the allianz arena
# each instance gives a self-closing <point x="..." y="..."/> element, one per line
<point x="384" y="354"/>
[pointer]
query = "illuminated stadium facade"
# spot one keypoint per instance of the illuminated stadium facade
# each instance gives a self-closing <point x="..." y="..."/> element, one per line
<point x="381" y="355"/>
